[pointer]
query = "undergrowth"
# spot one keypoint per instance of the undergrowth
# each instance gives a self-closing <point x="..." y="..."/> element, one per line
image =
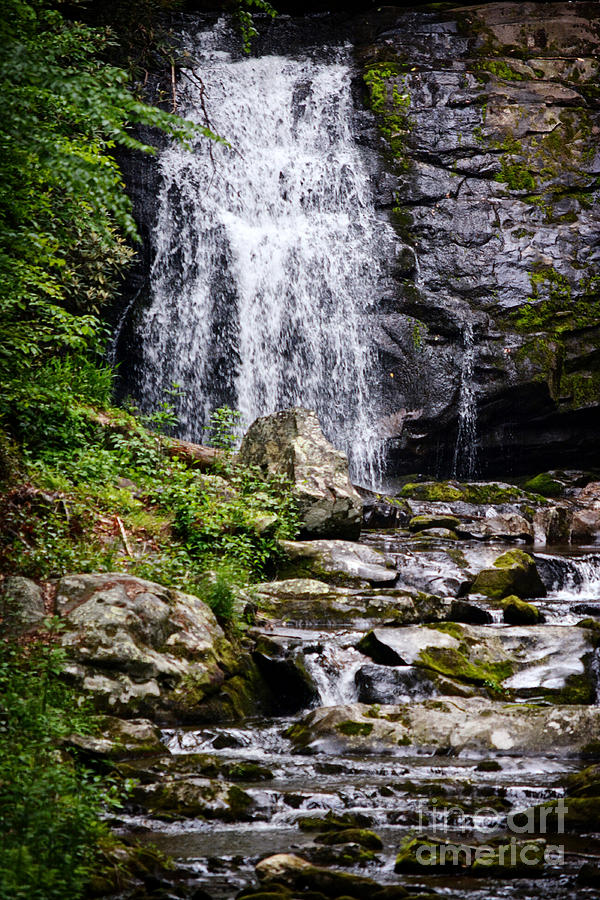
<point x="50" y="808"/>
<point x="99" y="491"/>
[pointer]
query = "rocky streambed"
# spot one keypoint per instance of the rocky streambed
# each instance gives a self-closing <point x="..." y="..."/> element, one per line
<point x="396" y="714"/>
<point x="414" y="713"/>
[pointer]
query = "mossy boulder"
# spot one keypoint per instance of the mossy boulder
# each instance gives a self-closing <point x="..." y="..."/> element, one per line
<point x="424" y="523"/>
<point x="195" y="798"/>
<point x="422" y="855"/>
<point x="142" y="649"/>
<point x="334" y="822"/>
<point x="290" y="443"/>
<point x="362" y="836"/>
<point x="341" y="563"/>
<point x="21" y="605"/>
<point x="519" y="612"/>
<point x="300" y="875"/>
<point x="585" y="783"/>
<point x="513" y="573"/>
<point x="545" y="485"/>
<point x="453" y="727"/>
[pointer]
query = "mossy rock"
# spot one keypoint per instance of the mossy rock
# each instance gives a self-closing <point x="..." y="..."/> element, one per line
<point x="585" y="783"/>
<point x="362" y="836"/>
<point x="489" y="492"/>
<point x="334" y="822"/>
<point x="488" y="765"/>
<point x="513" y="573"/>
<point x="421" y="855"/>
<point x="424" y="523"/>
<point x="436" y="533"/>
<point x="545" y="485"/>
<point x="351" y="729"/>
<point x="519" y="612"/>
<point x="574" y="814"/>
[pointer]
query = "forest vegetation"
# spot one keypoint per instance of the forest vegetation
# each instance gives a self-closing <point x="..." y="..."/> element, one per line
<point x="86" y="486"/>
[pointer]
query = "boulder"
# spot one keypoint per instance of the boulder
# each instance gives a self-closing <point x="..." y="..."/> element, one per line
<point x="424" y="523"/>
<point x="585" y="525"/>
<point x="511" y="858"/>
<point x="341" y="563"/>
<point x="21" y="605"/>
<point x="120" y="739"/>
<point x="290" y="443"/>
<point x="300" y="875"/>
<point x="518" y="612"/>
<point x="196" y="798"/>
<point x="456" y="726"/>
<point x="143" y="649"/>
<point x="498" y="526"/>
<point x="403" y="684"/>
<point x="514" y="572"/>
<point x="551" y="662"/>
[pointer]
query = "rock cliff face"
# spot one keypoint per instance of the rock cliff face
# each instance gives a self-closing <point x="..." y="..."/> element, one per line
<point x="488" y="121"/>
<point x="480" y="130"/>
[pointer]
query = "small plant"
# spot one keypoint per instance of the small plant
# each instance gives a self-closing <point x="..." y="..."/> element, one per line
<point x="223" y="427"/>
<point x="246" y="19"/>
<point x="165" y="420"/>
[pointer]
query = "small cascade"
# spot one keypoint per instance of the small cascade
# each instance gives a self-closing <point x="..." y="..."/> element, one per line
<point x="267" y="252"/>
<point x="571" y="578"/>
<point x="465" y="451"/>
<point x="332" y="671"/>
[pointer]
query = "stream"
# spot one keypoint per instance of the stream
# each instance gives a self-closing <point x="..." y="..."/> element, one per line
<point x="396" y="791"/>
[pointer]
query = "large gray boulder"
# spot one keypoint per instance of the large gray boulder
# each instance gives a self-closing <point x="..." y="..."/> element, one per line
<point x="450" y="726"/>
<point x="308" y="602"/>
<point x="550" y="662"/>
<point x="341" y="563"/>
<point x="145" y="650"/>
<point x="291" y="443"/>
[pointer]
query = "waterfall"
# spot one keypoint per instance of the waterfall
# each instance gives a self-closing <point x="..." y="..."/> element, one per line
<point x="465" y="450"/>
<point x="267" y="253"/>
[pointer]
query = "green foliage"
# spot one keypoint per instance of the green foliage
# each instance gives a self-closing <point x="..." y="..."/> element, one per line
<point x="246" y="19"/>
<point x="50" y="809"/>
<point x="64" y="216"/>
<point x="182" y="523"/>
<point x="223" y="428"/>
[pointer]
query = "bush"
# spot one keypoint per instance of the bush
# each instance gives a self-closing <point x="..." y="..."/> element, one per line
<point x="50" y="809"/>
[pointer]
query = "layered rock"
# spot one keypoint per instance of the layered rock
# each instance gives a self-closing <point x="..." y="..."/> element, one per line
<point x="489" y="121"/>
<point x="451" y="726"/>
<point x="548" y="662"/>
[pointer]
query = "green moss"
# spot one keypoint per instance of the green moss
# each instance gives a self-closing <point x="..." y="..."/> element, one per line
<point x="473" y="492"/>
<point x="516" y="175"/>
<point x="351" y="728"/>
<point x="451" y="628"/>
<point x="362" y="836"/>
<point x="518" y="612"/>
<point x="390" y="101"/>
<point x="456" y="664"/>
<point x="488" y="765"/>
<point x="546" y="485"/>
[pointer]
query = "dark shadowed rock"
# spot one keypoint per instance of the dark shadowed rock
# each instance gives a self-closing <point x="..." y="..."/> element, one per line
<point x="21" y="604"/>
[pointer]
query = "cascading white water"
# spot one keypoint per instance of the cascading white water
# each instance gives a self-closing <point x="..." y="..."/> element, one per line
<point x="465" y="451"/>
<point x="267" y="260"/>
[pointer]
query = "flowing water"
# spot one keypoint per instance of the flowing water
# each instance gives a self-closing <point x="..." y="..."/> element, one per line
<point x="399" y="791"/>
<point x="465" y="451"/>
<point x="267" y="252"/>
